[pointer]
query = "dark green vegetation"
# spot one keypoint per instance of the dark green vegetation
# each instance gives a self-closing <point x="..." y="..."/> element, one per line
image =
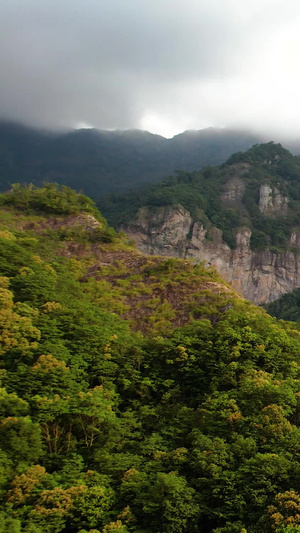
<point x="287" y="307"/>
<point x="139" y="394"/>
<point x="98" y="162"/>
<point x="227" y="196"/>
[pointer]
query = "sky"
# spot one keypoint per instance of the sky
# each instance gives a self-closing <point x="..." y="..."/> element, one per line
<point x="160" y="65"/>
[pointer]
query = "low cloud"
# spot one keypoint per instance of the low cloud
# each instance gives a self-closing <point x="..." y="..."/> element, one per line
<point x="168" y="66"/>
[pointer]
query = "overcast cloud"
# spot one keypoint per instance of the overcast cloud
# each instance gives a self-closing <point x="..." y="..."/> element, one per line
<point x="164" y="66"/>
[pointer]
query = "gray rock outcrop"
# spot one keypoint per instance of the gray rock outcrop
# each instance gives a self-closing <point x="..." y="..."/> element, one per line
<point x="260" y="276"/>
<point x="271" y="201"/>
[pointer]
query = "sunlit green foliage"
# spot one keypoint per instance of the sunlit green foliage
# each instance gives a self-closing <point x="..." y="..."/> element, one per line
<point x="139" y="394"/>
<point x="51" y="198"/>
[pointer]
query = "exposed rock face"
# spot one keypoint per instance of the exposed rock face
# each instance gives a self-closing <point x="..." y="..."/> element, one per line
<point x="259" y="276"/>
<point x="162" y="228"/>
<point x="271" y="201"/>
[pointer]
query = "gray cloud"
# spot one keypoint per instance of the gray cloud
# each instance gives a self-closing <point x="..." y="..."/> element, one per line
<point x="133" y="63"/>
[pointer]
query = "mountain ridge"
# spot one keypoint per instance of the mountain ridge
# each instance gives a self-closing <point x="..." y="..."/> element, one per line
<point x="99" y="162"/>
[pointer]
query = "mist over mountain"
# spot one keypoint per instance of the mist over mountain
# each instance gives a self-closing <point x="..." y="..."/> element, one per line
<point x="100" y="162"/>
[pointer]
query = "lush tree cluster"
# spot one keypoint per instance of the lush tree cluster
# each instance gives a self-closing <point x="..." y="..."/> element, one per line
<point x="51" y="198"/>
<point x="188" y="429"/>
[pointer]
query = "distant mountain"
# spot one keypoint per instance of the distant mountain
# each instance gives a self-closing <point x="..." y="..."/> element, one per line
<point x="100" y="162"/>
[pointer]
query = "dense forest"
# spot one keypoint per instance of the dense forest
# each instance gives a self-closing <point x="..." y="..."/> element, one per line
<point x="138" y="394"/>
<point x="287" y="307"/>
<point x="204" y="194"/>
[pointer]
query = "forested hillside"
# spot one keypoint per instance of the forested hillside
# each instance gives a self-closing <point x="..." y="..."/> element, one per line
<point x="139" y="394"/>
<point x="258" y="189"/>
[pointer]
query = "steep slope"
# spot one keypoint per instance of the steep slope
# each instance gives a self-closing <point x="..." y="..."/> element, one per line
<point x="153" y="294"/>
<point x="138" y="394"/>
<point x="241" y="217"/>
<point x="260" y="276"/>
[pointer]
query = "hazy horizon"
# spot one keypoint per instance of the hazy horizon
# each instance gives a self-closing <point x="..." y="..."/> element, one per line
<point x="60" y="131"/>
<point x="160" y="67"/>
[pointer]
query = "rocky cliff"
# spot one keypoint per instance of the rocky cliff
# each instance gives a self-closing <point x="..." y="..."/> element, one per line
<point x="241" y="217"/>
<point x="260" y="276"/>
<point x="271" y="201"/>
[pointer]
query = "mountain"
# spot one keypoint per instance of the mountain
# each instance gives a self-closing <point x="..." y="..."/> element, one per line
<point x="259" y="241"/>
<point x="139" y="394"/>
<point x="100" y="162"/>
<point x="241" y="217"/>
